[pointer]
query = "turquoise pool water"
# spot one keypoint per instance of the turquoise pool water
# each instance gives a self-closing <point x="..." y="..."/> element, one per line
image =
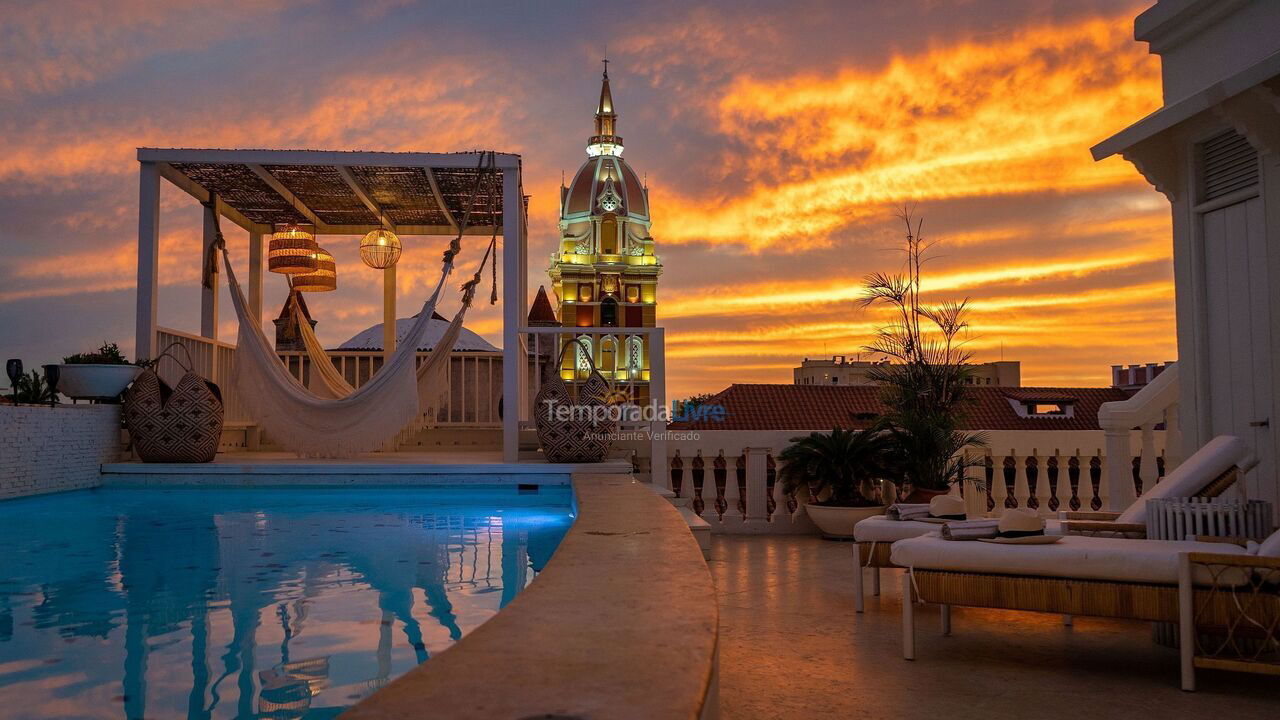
<point x="259" y="603"/>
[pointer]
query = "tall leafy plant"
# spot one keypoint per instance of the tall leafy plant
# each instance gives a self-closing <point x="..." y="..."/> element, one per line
<point x="839" y="468"/>
<point x="926" y="384"/>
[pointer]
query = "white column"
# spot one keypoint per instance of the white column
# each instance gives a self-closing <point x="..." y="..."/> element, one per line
<point x="1117" y="472"/>
<point x="758" y="485"/>
<point x="255" y="276"/>
<point x="208" y="295"/>
<point x="658" y="398"/>
<point x="1173" y="454"/>
<point x="148" y="259"/>
<point x="388" y="312"/>
<point x="1021" y="491"/>
<point x="514" y="357"/>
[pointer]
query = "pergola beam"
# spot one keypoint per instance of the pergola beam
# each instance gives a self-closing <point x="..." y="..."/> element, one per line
<point x="461" y="161"/>
<point x="198" y="192"/>
<point x="440" y="203"/>
<point x="285" y="193"/>
<point x="359" y="190"/>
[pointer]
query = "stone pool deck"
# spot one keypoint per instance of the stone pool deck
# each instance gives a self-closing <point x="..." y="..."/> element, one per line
<point x="791" y="646"/>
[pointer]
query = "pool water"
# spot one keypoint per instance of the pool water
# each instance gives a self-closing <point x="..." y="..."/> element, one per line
<point x="256" y="603"/>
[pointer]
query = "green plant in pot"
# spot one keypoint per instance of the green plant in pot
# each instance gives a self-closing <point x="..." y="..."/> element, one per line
<point x="926" y="383"/>
<point x="841" y="469"/>
<point x="100" y="374"/>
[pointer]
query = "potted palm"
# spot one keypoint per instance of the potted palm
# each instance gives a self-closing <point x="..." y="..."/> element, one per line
<point x="925" y="386"/>
<point x="841" y="469"/>
<point x="100" y="374"/>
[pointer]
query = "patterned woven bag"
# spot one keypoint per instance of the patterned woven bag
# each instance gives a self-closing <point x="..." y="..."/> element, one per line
<point x="582" y="438"/>
<point x="182" y="424"/>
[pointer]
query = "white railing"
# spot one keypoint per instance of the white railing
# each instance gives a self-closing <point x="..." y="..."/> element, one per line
<point x="211" y="359"/>
<point x="1154" y="404"/>
<point x="475" y="378"/>
<point x="729" y="477"/>
<point x="474" y="382"/>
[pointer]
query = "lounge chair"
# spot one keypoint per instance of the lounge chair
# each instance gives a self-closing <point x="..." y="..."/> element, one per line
<point x="1207" y="473"/>
<point x="1225" y="597"/>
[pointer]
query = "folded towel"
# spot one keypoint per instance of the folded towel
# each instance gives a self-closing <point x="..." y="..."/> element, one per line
<point x="971" y="529"/>
<point x="907" y="511"/>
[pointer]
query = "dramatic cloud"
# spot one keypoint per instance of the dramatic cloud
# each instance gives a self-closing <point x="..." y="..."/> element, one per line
<point x="778" y="141"/>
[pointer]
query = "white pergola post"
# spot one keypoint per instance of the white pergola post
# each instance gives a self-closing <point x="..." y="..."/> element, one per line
<point x="255" y="276"/>
<point x="388" y="312"/>
<point x="514" y="298"/>
<point x="209" y="295"/>
<point x="148" y="259"/>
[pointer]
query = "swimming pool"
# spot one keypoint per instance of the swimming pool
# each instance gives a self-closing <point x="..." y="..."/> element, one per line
<point x="258" y="603"/>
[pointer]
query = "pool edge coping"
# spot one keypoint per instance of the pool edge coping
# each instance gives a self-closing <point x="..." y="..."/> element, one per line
<point x="562" y="646"/>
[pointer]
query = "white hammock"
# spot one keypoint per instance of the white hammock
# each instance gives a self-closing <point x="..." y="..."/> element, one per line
<point x="361" y="421"/>
<point x="326" y="381"/>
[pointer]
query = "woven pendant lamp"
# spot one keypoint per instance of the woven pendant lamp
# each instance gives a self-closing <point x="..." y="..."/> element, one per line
<point x="292" y="250"/>
<point x="325" y="277"/>
<point x="380" y="249"/>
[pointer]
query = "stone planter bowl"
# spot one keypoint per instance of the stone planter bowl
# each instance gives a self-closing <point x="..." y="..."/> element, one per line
<point x="838" y="522"/>
<point x="94" y="381"/>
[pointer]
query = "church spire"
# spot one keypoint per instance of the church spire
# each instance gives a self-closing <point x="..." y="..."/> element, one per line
<point x="606" y="140"/>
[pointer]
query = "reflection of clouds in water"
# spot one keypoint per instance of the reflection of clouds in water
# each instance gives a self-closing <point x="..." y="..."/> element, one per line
<point x="231" y="603"/>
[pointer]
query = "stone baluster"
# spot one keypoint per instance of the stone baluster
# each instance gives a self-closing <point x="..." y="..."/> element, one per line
<point x="1097" y="499"/>
<point x="699" y="485"/>
<point x="1031" y="468"/>
<point x="1001" y="487"/>
<point x="1052" y="475"/>
<point x="730" y="486"/>
<point x="678" y="485"/>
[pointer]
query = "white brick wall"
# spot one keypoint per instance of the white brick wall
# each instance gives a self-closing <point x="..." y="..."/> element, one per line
<point x="44" y="450"/>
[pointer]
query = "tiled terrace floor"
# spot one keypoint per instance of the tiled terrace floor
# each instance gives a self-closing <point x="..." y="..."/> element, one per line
<point x="792" y="647"/>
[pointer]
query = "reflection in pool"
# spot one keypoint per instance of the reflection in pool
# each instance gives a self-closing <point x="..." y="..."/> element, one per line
<point x="261" y="603"/>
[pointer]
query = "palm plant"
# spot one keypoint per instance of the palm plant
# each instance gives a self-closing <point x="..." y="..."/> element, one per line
<point x="839" y="468"/>
<point x="32" y="389"/>
<point x="925" y="384"/>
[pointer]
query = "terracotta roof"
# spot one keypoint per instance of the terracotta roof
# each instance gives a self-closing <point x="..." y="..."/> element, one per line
<point x="822" y="407"/>
<point x="542" y="314"/>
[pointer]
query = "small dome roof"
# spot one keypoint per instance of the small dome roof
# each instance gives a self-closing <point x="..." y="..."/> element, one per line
<point x="583" y="194"/>
<point x="371" y="339"/>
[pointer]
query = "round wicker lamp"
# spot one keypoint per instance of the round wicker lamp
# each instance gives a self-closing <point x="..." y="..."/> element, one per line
<point x="325" y="277"/>
<point x="292" y="250"/>
<point x="380" y="249"/>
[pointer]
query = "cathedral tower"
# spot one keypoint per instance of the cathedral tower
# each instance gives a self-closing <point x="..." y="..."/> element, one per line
<point x="604" y="272"/>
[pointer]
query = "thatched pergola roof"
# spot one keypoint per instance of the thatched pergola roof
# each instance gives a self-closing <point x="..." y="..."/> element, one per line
<point x="340" y="193"/>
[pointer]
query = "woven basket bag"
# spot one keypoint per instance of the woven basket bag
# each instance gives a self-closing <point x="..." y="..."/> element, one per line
<point x="182" y="424"/>
<point x="578" y="439"/>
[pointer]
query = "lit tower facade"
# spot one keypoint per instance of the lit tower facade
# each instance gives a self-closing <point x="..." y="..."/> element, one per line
<point x="604" y="272"/>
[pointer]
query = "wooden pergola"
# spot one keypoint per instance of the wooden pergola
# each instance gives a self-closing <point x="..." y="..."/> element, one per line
<point x="339" y="193"/>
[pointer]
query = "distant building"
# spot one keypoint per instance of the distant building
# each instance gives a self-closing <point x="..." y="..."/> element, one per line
<point x="1136" y="376"/>
<point x="287" y="336"/>
<point x="840" y="370"/>
<point x="787" y="407"/>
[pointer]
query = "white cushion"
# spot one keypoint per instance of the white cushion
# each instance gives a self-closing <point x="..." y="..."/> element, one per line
<point x="1271" y="546"/>
<point x="1084" y="558"/>
<point x="880" y="528"/>
<point x="1188" y="479"/>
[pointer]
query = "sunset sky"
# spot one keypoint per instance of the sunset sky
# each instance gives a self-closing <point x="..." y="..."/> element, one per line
<point x="777" y="138"/>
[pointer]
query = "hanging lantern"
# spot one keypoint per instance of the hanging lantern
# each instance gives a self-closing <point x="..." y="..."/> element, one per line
<point x="292" y="250"/>
<point x="325" y="277"/>
<point x="380" y="249"/>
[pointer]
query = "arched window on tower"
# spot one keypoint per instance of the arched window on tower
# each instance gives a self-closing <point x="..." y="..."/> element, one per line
<point x="608" y="355"/>
<point x="581" y="352"/>
<point x="635" y="357"/>
<point x="609" y="312"/>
